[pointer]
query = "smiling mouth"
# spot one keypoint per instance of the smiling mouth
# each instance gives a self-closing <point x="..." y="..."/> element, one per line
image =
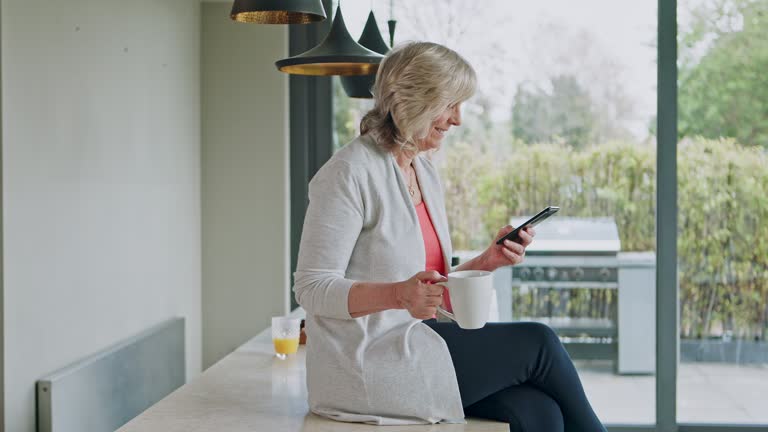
<point x="441" y="132"/>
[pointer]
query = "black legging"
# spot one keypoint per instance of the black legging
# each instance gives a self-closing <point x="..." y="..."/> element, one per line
<point x="518" y="373"/>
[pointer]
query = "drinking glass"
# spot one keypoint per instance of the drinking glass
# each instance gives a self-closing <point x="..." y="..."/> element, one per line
<point x="285" y="335"/>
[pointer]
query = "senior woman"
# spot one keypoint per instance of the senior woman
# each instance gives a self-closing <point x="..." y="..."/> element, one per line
<point x="375" y="238"/>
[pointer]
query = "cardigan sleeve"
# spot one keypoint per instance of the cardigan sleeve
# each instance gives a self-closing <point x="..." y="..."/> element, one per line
<point x="332" y="225"/>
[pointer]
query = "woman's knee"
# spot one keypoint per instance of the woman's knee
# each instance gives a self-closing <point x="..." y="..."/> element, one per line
<point x="542" y="334"/>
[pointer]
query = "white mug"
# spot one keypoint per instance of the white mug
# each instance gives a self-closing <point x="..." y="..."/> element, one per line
<point x="471" y="294"/>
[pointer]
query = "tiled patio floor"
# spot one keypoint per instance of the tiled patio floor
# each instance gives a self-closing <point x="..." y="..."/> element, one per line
<point x="707" y="393"/>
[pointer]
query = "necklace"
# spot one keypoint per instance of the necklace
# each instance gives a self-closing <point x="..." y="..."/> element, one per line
<point x="411" y="187"/>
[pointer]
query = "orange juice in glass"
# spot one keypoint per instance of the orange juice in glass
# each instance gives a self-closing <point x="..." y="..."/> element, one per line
<point x="285" y="335"/>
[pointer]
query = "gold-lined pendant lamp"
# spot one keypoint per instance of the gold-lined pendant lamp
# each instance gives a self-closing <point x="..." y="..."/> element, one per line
<point x="277" y="11"/>
<point x="360" y="86"/>
<point x="337" y="54"/>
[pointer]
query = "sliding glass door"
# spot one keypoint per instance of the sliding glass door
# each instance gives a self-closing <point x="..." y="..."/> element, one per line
<point x="723" y="211"/>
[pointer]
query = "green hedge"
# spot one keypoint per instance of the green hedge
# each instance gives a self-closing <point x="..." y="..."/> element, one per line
<point x="722" y="203"/>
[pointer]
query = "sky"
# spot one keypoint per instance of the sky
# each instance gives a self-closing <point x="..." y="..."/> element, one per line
<point x="511" y="41"/>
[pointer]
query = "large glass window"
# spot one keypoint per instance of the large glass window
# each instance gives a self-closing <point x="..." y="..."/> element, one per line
<point x="723" y="211"/>
<point x="564" y="115"/>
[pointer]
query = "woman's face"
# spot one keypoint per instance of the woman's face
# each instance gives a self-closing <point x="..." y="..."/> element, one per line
<point x="450" y="117"/>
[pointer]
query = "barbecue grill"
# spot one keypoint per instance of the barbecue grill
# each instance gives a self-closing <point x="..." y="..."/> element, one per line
<point x="585" y="253"/>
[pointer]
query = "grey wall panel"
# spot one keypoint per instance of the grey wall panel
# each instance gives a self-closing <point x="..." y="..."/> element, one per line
<point x="104" y="391"/>
<point x="245" y="180"/>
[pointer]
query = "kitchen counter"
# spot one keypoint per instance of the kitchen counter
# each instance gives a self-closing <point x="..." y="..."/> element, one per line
<point x="252" y="390"/>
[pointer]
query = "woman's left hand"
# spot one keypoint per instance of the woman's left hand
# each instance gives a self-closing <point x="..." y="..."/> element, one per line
<point x="510" y="252"/>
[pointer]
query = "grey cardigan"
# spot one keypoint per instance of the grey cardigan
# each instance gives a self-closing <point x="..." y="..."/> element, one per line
<point x="384" y="368"/>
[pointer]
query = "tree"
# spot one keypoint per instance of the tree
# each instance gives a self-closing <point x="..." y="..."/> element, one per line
<point x="578" y="52"/>
<point x="724" y="72"/>
<point x="565" y="112"/>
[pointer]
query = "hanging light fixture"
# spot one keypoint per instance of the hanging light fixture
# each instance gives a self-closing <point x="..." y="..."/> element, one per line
<point x="360" y="86"/>
<point x="277" y="11"/>
<point x="337" y="54"/>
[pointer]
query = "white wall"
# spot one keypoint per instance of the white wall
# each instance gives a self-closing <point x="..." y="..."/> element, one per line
<point x="101" y="181"/>
<point x="245" y="179"/>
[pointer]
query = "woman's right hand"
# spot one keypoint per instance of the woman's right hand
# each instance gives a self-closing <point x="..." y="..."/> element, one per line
<point x="419" y="295"/>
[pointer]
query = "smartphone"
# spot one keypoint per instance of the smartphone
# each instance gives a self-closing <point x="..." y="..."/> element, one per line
<point x="547" y="212"/>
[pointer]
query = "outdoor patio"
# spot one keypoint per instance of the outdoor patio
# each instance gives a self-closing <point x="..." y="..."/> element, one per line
<point x="707" y="393"/>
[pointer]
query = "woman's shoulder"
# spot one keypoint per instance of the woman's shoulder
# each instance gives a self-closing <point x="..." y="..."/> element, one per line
<point x="361" y="150"/>
<point x="361" y="156"/>
<point x="355" y="161"/>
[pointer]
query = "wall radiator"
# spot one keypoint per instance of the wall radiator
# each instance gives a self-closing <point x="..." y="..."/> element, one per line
<point x="106" y="390"/>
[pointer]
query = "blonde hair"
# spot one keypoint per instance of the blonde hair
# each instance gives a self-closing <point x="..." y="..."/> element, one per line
<point x="415" y="83"/>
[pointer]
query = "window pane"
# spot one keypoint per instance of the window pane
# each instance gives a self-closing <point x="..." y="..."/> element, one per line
<point x="564" y="115"/>
<point x="723" y="219"/>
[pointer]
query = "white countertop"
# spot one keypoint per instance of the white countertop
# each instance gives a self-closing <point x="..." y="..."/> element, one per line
<point x="252" y="390"/>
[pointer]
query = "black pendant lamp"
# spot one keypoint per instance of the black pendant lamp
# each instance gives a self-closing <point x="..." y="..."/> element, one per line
<point x="392" y="22"/>
<point x="277" y="11"/>
<point x="337" y="54"/>
<point x="360" y="86"/>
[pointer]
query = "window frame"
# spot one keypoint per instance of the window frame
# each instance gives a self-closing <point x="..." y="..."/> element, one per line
<point x="311" y="128"/>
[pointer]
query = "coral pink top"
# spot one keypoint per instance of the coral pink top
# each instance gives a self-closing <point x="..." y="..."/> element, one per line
<point x="432" y="248"/>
